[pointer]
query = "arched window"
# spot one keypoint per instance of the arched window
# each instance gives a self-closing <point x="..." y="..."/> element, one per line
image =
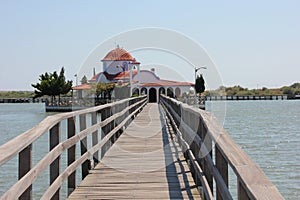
<point x="135" y="92"/>
<point x="170" y="92"/>
<point x="162" y="90"/>
<point x="144" y="91"/>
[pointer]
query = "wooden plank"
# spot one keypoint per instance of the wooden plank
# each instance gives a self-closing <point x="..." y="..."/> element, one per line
<point x="222" y="167"/>
<point x="195" y="167"/>
<point x="25" y="164"/>
<point x="104" y="130"/>
<point x="95" y="138"/>
<point x="19" y="187"/>
<point x="251" y="177"/>
<point x="71" y="155"/>
<point x="143" y="164"/>
<point x="55" y="165"/>
<point x="83" y="147"/>
<point x="242" y="194"/>
<point x="16" y="145"/>
<point x="50" y="191"/>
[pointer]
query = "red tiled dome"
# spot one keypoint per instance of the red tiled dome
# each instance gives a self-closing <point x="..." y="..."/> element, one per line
<point x="118" y="54"/>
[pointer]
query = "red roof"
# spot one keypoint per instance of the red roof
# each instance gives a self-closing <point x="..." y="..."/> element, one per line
<point x="85" y="86"/>
<point x="121" y="75"/>
<point x="111" y="77"/>
<point x="118" y="54"/>
<point x="135" y="62"/>
<point x="167" y="83"/>
<point x="95" y="78"/>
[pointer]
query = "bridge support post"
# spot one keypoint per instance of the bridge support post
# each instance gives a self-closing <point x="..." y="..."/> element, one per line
<point x="55" y="165"/>
<point x="25" y="164"/>
<point x="71" y="155"/>
<point x="104" y="130"/>
<point x="95" y="139"/>
<point x="207" y="142"/>
<point x="242" y="194"/>
<point x="83" y="147"/>
<point x="112" y="125"/>
<point x="222" y="167"/>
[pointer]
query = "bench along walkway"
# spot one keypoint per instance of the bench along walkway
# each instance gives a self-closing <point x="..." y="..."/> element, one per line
<point x="144" y="163"/>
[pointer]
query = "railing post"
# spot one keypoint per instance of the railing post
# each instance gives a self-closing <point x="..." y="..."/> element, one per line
<point x="104" y="130"/>
<point x="71" y="155"/>
<point x="83" y="147"/>
<point x="113" y="123"/>
<point x="55" y="165"/>
<point x="222" y="167"/>
<point x="207" y="142"/>
<point x="110" y="126"/>
<point x="118" y="120"/>
<point x="242" y="194"/>
<point x="25" y="164"/>
<point x="95" y="138"/>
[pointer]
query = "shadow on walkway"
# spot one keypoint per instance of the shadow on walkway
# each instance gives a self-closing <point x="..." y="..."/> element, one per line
<point x="175" y="162"/>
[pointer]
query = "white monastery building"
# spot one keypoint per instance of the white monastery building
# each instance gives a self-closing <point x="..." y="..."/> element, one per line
<point x="119" y="66"/>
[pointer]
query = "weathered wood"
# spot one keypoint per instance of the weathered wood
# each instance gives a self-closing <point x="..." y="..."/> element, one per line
<point x="144" y="163"/>
<point x="95" y="138"/>
<point x="15" y="191"/>
<point x="16" y="145"/>
<point x="204" y="155"/>
<point x="242" y="194"/>
<point x="222" y="167"/>
<point x="104" y="131"/>
<point x="83" y="147"/>
<point x="195" y="167"/>
<point x="55" y="165"/>
<point x="50" y="191"/>
<point x="25" y="164"/>
<point x="207" y="169"/>
<point x="71" y="155"/>
<point x="254" y="181"/>
<point x="7" y="152"/>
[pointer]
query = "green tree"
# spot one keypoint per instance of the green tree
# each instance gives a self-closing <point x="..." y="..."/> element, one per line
<point x="84" y="80"/>
<point x="200" y="84"/>
<point x="104" y="90"/>
<point x="62" y="85"/>
<point x="295" y="85"/>
<point x="289" y="91"/>
<point x="52" y="84"/>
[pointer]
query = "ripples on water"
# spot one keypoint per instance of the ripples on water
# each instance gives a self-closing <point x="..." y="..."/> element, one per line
<point x="269" y="131"/>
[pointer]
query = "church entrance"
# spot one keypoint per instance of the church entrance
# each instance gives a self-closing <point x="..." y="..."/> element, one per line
<point x="152" y="95"/>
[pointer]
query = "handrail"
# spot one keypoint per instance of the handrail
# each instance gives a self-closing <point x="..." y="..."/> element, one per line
<point x="17" y="144"/>
<point x="186" y="148"/>
<point x="125" y="110"/>
<point x="199" y="130"/>
<point x="57" y="183"/>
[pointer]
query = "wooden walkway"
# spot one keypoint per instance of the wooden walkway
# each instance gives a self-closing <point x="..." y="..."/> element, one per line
<point x="144" y="163"/>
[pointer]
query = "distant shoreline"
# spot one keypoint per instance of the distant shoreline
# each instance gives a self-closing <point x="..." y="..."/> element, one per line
<point x="16" y="94"/>
<point x="292" y="92"/>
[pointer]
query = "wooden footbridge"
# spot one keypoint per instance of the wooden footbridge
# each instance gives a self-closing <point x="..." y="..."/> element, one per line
<point x="133" y="149"/>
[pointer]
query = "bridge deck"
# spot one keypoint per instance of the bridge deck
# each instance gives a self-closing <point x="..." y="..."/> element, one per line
<point x="144" y="163"/>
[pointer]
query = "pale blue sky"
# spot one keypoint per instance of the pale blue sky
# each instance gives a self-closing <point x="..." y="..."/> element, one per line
<point x="253" y="43"/>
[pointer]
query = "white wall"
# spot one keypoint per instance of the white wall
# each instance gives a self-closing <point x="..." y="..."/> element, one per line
<point x="145" y="77"/>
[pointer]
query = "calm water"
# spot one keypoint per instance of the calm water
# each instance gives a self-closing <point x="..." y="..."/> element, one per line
<point x="269" y="131"/>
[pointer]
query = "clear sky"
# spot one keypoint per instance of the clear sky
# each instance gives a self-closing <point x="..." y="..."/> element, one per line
<point x="253" y="43"/>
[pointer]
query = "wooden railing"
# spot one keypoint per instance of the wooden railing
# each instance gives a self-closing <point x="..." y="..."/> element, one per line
<point x="197" y="131"/>
<point x="114" y="118"/>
